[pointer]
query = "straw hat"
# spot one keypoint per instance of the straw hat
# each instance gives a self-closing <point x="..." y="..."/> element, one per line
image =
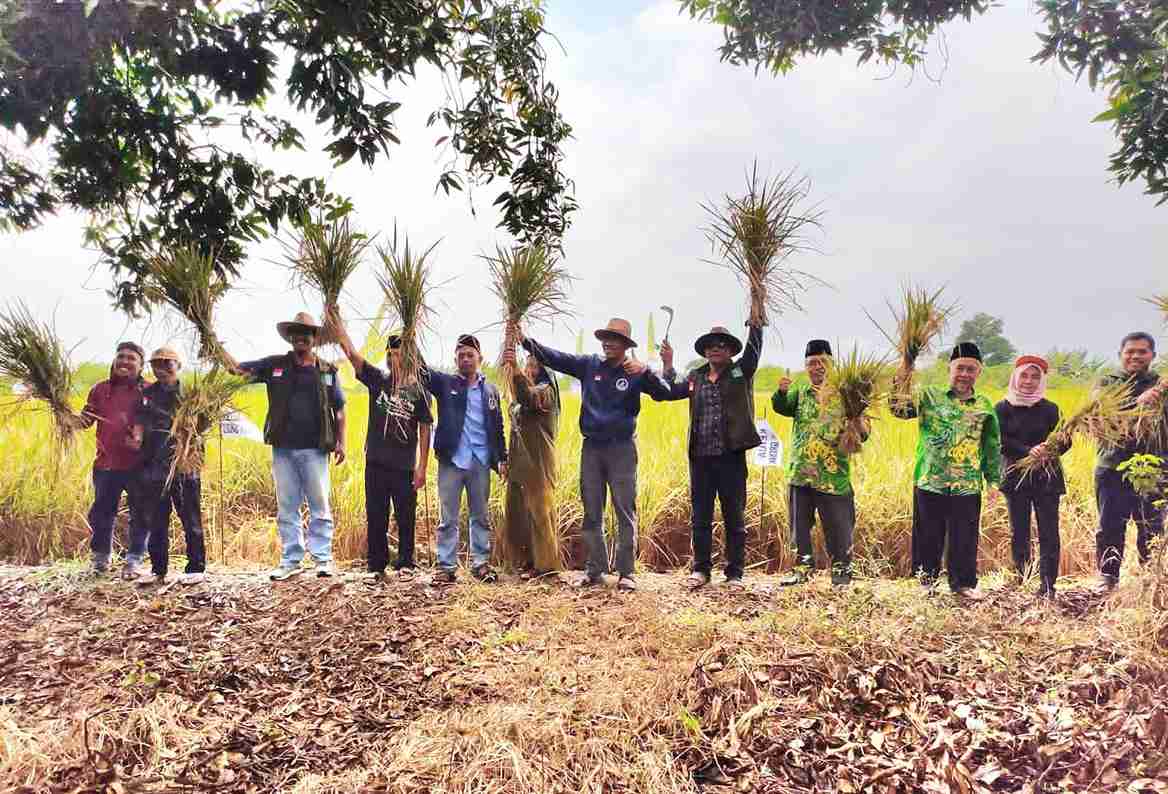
<point x="718" y="334"/>
<point x="165" y="353"/>
<point x="619" y="328"/>
<point x="303" y="321"/>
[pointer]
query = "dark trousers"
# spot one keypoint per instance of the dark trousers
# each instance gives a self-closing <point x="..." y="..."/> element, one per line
<point x="1045" y="507"/>
<point x="386" y="487"/>
<point x="941" y="517"/>
<point x="723" y="476"/>
<point x="185" y="495"/>
<point x="1118" y="503"/>
<point x="108" y="487"/>
<point x="836" y="512"/>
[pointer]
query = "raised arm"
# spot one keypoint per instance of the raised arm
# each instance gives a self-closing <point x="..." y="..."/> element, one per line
<point x="902" y="402"/>
<point x="677" y="391"/>
<point x="785" y="400"/>
<point x="748" y="363"/>
<point x="332" y="321"/>
<point x="554" y="359"/>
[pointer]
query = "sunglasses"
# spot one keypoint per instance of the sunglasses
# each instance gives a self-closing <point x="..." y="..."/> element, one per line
<point x="394" y="344"/>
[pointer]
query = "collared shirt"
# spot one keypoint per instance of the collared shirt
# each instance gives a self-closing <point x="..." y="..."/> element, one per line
<point x="816" y="460"/>
<point x="708" y="432"/>
<point x="155" y="414"/>
<point x="112" y="403"/>
<point x="959" y="444"/>
<point x="472" y="445"/>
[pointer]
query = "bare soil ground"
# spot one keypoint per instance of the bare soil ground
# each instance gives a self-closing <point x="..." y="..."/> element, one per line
<point x="338" y="685"/>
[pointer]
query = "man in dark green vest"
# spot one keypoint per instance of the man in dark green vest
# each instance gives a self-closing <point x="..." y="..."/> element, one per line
<point x="721" y="430"/>
<point x="305" y="422"/>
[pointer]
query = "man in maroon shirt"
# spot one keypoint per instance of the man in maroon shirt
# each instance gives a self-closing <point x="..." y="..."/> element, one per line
<point x="111" y="405"/>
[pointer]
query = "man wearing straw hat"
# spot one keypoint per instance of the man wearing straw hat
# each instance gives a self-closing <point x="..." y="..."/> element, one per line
<point x="721" y="430"/>
<point x="819" y="472"/>
<point x="305" y="423"/>
<point x="111" y="405"/>
<point x="161" y="486"/>
<point x="958" y="453"/>
<point x="468" y="443"/>
<point x="611" y="388"/>
<point x="397" y="448"/>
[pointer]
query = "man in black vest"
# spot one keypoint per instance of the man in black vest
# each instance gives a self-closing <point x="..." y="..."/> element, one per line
<point x="721" y="430"/>
<point x="305" y="422"/>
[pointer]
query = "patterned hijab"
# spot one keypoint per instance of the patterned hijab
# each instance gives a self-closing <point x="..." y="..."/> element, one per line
<point x="1014" y="394"/>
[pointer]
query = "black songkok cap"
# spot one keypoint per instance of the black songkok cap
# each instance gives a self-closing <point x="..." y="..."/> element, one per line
<point x="817" y="347"/>
<point x="466" y="340"/>
<point x="965" y="350"/>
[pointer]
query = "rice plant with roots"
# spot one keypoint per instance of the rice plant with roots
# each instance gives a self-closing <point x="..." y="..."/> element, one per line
<point x="204" y="401"/>
<point x="406" y="280"/>
<point x="1110" y="417"/>
<point x="858" y="381"/>
<point x="33" y="355"/>
<point x="920" y="319"/>
<point x="532" y="284"/>
<point x="187" y="280"/>
<point x="755" y="234"/>
<point x="322" y="255"/>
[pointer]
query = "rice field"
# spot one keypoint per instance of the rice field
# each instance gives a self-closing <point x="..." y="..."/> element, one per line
<point x="45" y="494"/>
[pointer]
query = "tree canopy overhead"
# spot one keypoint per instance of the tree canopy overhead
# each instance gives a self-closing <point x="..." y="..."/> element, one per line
<point x="153" y="111"/>
<point x="1121" y="46"/>
<point x="986" y="332"/>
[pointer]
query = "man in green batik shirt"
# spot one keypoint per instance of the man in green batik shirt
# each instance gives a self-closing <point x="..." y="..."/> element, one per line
<point x="959" y="449"/>
<point x="818" y="471"/>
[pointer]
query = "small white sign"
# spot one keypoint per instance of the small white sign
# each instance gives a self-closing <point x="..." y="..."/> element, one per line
<point x="770" y="451"/>
<point x="237" y="425"/>
<point x="19" y="389"/>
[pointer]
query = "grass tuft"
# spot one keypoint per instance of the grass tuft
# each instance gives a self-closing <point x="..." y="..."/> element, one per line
<point x="322" y="255"/>
<point x="33" y="356"/>
<point x="406" y="280"/>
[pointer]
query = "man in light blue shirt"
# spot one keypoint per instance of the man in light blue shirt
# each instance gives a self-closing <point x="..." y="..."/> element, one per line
<point x="468" y="444"/>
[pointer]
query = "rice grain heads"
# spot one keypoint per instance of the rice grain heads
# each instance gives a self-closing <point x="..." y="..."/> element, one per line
<point x="186" y="279"/>
<point x="204" y="401"/>
<point x="322" y="256"/>
<point x="858" y="381"/>
<point x="754" y="234"/>
<point x="32" y="355"/>
<point x="405" y="279"/>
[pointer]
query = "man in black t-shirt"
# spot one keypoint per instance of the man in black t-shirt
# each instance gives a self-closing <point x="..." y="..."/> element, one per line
<point x="397" y="448"/>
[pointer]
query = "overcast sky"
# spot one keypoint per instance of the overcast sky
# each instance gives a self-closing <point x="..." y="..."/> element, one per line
<point x="991" y="180"/>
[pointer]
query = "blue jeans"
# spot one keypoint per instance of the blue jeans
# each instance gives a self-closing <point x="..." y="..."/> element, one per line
<point x="108" y="487"/>
<point x="302" y="475"/>
<point x="451" y="482"/>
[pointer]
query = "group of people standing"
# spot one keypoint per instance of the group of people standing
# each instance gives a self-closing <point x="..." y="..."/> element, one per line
<point x="966" y="447"/>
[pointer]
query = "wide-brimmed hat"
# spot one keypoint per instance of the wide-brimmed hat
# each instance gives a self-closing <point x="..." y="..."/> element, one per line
<point x="718" y="334"/>
<point x="621" y="329"/>
<point x="165" y="353"/>
<point x="303" y="321"/>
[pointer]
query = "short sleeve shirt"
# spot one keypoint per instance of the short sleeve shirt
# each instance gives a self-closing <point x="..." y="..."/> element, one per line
<point x="304" y="419"/>
<point x="394" y="416"/>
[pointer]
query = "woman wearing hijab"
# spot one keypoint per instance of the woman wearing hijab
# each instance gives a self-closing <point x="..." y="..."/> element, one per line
<point x="1027" y="419"/>
<point x="530" y="540"/>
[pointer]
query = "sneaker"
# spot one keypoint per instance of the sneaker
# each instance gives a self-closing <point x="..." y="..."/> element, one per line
<point x="1105" y="584"/>
<point x="324" y="570"/>
<point x="150" y="579"/>
<point x="797" y="576"/>
<point x="445" y="576"/>
<point x="734" y="583"/>
<point x="626" y="584"/>
<point x="282" y="572"/>
<point x="969" y="594"/>
<point x="99" y="571"/>
<point x="588" y="580"/>
<point x="697" y="580"/>
<point x="374" y="577"/>
<point x="841" y="577"/>
<point x="484" y="573"/>
<point x="196" y="577"/>
<point x="130" y="571"/>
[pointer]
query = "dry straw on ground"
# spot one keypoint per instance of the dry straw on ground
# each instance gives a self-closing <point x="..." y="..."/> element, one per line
<point x="32" y="355"/>
<point x="756" y="233"/>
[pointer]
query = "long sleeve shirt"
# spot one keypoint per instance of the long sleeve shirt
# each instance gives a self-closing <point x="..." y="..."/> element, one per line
<point x="1023" y="428"/>
<point x="815" y="459"/>
<point x="113" y="403"/>
<point x="610" y="397"/>
<point x="1111" y="457"/>
<point x="959" y="444"/>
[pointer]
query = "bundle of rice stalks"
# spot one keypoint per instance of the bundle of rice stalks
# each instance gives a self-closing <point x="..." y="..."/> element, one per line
<point x="32" y="355"/>
<point x="1110" y="417"/>
<point x="921" y="318"/>
<point x="858" y="381"/>
<point x="405" y="280"/>
<point x="756" y="233"/>
<point x="187" y="280"/>
<point x="532" y="285"/>
<point x="1161" y="303"/>
<point x="204" y="401"/>
<point x="322" y="256"/>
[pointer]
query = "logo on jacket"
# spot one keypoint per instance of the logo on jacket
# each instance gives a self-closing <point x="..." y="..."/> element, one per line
<point x="622" y="384"/>
<point x="492" y="403"/>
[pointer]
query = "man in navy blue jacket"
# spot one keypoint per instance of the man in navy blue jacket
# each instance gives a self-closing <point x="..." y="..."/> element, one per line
<point x="468" y="444"/>
<point x="611" y="388"/>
